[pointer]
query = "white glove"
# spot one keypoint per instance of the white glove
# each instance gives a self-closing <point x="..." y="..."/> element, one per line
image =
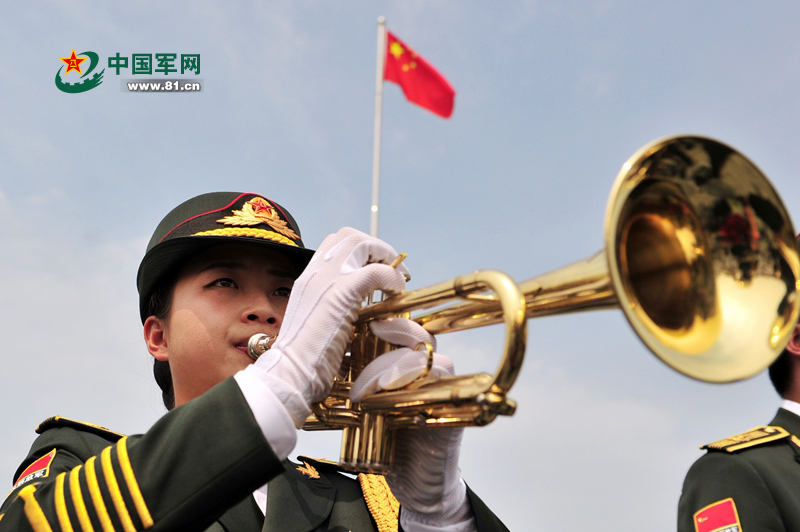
<point x="426" y="478"/>
<point x="400" y="367"/>
<point x="319" y="318"/>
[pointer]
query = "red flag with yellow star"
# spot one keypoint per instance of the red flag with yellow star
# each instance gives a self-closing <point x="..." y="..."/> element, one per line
<point x="421" y="83"/>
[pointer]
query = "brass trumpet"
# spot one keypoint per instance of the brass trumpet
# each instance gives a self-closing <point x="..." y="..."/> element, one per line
<point x="699" y="254"/>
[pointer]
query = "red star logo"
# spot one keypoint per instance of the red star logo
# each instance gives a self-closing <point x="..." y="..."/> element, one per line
<point x="259" y="206"/>
<point x="73" y="62"/>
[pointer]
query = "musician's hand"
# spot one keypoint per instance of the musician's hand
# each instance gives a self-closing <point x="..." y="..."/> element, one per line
<point x="318" y="323"/>
<point x="397" y="368"/>
<point x="426" y="478"/>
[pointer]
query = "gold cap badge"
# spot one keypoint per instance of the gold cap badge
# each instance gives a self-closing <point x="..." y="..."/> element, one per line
<point x="259" y="211"/>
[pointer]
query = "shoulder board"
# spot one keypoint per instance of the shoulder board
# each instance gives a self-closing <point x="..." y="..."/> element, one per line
<point x="322" y="463"/>
<point x="750" y="438"/>
<point x="58" y="421"/>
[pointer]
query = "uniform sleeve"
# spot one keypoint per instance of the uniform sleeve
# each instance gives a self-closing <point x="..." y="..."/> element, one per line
<point x="726" y="490"/>
<point x="485" y="519"/>
<point x="196" y="461"/>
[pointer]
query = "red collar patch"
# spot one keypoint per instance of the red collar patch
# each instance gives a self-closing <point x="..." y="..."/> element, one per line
<point x="39" y="469"/>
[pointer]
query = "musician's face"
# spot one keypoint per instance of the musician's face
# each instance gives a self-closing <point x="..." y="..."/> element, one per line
<point x="221" y="298"/>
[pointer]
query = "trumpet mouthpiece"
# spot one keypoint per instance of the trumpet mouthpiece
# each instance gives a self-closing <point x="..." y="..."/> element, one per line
<point x="258" y="344"/>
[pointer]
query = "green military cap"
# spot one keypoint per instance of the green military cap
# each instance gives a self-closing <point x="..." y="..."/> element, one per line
<point x="211" y="219"/>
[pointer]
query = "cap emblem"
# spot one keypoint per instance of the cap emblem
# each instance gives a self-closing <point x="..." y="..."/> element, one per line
<point x="259" y="211"/>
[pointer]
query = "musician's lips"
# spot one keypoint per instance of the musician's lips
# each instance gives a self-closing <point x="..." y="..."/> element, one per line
<point x="241" y="346"/>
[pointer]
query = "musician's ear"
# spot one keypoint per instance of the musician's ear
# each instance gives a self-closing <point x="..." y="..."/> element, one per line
<point x="156" y="339"/>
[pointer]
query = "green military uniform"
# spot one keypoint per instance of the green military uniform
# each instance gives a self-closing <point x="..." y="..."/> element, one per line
<point x="750" y="482"/>
<point x="195" y="469"/>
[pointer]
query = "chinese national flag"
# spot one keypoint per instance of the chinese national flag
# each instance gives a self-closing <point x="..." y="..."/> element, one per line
<point x="420" y="82"/>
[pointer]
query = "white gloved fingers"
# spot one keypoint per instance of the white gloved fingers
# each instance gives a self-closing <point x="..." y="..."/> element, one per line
<point x="346" y="296"/>
<point x="343" y="242"/>
<point x="368" y="251"/>
<point x="410" y="366"/>
<point x="355" y="249"/>
<point x="367" y="279"/>
<point x="333" y="239"/>
<point x="330" y="241"/>
<point x="396" y="369"/>
<point x="324" y="312"/>
<point x="402" y="332"/>
<point x="367" y="381"/>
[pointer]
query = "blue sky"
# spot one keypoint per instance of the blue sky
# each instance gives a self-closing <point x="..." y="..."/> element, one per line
<point x="552" y="98"/>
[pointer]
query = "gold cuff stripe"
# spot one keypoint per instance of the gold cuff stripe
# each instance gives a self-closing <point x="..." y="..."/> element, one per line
<point x="77" y="500"/>
<point x="61" y="504"/>
<point x="245" y="231"/>
<point x="116" y="494"/>
<point x="97" y="497"/>
<point x="382" y="504"/>
<point x="133" y="486"/>
<point x="33" y="511"/>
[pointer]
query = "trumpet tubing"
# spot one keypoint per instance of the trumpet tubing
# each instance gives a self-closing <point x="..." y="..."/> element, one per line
<point x="700" y="255"/>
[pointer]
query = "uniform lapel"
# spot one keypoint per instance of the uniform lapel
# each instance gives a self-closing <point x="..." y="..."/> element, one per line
<point x="789" y="421"/>
<point x="297" y="503"/>
<point x="243" y="517"/>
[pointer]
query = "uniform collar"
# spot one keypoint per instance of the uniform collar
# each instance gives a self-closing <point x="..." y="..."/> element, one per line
<point x="791" y="406"/>
<point x="788" y="418"/>
<point x="297" y="503"/>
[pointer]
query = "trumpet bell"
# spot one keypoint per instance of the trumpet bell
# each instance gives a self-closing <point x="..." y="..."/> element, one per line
<point x="702" y="257"/>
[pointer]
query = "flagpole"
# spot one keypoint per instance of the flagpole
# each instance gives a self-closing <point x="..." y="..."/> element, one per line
<point x="376" y="153"/>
